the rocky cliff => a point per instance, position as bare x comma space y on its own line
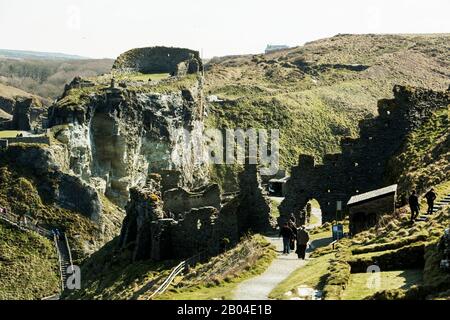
116, 135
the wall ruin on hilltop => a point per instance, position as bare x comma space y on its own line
361, 166
175, 61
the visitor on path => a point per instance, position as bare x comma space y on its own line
287, 234
294, 231
292, 219
430, 196
302, 242
414, 205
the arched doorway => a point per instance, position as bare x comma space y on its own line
314, 213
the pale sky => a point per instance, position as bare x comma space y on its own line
105, 28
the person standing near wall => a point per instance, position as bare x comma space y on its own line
414, 205
287, 234
302, 242
430, 196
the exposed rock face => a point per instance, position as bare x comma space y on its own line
117, 136
27, 114
362, 164
22, 115
68, 191
175, 61
7, 104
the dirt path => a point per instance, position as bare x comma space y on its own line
259, 287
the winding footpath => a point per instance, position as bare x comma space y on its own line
259, 287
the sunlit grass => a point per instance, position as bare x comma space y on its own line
362, 285
10, 133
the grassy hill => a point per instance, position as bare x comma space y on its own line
28, 265
406, 253
24, 54
47, 77
109, 275
317, 93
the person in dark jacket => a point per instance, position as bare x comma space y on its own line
302, 242
293, 227
292, 219
430, 196
287, 234
414, 205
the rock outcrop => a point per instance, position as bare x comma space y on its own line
116, 136
175, 61
67, 191
26, 114
363, 162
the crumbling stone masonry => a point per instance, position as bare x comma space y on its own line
178, 201
175, 61
152, 230
362, 164
254, 206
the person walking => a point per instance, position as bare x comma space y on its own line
302, 242
430, 196
293, 227
287, 234
293, 219
414, 205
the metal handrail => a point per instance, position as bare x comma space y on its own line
68, 250
175, 272
60, 262
16, 220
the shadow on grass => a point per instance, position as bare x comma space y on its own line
318, 243
412, 277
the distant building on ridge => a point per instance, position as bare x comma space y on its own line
271, 48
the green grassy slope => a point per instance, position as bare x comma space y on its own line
317, 93
424, 161
28, 265
109, 275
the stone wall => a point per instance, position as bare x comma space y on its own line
179, 201
152, 230
176, 61
30, 140
254, 205
366, 214
362, 164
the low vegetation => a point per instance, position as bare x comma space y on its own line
46, 78
28, 265
108, 274
317, 93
